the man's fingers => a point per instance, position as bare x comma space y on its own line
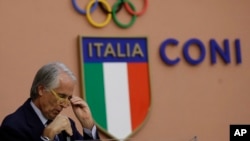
77, 101
61, 123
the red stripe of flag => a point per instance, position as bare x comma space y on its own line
138, 78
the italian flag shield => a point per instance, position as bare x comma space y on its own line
115, 80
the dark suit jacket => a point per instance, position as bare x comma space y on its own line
25, 125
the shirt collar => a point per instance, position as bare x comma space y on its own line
39, 113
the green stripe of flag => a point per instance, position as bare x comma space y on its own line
94, 87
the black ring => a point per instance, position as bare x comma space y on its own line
109, 12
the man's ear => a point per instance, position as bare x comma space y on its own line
40, 90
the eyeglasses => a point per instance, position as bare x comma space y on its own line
62, 99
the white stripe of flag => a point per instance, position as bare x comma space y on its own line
117, 99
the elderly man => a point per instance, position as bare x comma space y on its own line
39, 118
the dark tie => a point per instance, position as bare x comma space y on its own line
48, 122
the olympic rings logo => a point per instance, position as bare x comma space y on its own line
110, 12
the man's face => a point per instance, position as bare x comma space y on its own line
51, 102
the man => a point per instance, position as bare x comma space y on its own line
39, 118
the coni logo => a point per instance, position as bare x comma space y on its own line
110, 11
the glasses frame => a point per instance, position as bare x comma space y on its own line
61, 100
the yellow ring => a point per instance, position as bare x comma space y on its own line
91, 21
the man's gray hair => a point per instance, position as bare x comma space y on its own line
47, 76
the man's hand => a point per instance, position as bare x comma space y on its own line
82, 112
59, 124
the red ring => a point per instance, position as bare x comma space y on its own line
128, 8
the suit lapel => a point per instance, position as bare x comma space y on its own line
32, 119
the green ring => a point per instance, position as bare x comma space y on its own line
132, 21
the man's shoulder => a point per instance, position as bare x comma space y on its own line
14, 119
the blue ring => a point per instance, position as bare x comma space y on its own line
81, 11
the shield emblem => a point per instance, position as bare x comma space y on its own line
115, 80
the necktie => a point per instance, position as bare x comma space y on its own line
48, 122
